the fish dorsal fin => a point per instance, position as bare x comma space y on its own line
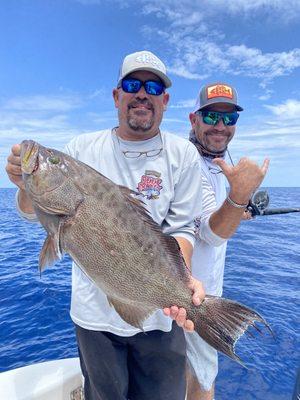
128, 191
139, 207
169, 241
134, 315
174, 249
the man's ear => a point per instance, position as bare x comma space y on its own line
193, 117
166, 100
115, 94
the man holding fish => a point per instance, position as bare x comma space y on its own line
118, 360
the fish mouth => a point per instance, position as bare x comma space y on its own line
29, 156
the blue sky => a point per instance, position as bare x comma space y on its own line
60, 61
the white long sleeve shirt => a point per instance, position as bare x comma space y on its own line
210, 250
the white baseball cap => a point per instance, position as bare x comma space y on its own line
144, 61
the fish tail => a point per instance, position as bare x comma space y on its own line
221, 322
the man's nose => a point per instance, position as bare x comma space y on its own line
220, 125
142, 94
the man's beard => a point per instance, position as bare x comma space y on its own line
138, 123
212, 146
204, 148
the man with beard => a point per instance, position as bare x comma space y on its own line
213, 126
119, 361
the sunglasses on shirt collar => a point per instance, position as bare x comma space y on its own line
213, 117
131, 85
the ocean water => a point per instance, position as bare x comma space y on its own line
262, 271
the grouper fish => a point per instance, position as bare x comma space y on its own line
107, 231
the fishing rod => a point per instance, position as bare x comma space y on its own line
258, 205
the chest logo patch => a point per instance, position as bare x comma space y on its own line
150, 185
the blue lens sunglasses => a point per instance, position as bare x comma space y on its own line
130, 85
213, 117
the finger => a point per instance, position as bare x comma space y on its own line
14, 170
167, 311
181, 318
174, 312
265, 166
12, 159
197, 297
189, 326
223, 165
248, 215
198, 290
171, 311
16, 149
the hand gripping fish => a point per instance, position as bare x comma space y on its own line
112, 238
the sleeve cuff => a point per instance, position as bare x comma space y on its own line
28, 217
206, 234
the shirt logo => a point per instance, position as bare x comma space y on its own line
219, 91
150, 185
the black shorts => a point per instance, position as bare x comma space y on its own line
146, 366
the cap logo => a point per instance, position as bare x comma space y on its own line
219, 91
149, 59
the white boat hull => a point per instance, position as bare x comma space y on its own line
52, 380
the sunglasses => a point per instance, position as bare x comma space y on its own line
213, 117
130, 85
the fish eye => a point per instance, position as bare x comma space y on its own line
54, 160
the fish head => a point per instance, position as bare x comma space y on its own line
43, 169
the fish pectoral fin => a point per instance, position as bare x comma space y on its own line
50, 252
133, 315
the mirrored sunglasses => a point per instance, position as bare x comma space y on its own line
130, 85
213, 117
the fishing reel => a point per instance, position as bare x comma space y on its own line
258, 203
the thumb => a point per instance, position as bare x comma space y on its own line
16, 150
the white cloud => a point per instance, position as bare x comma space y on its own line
195, 32
51, 117
179, 9
267, 95
43, 103
289, 109
284, 9
15, 127
208, 57
179, 69
167, 120
252, 62
189, 103
102, 93
198, 47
